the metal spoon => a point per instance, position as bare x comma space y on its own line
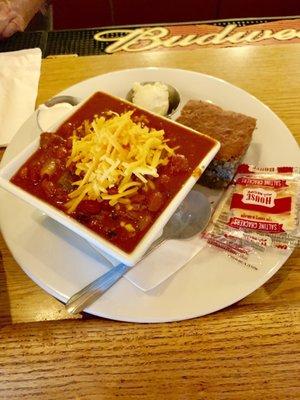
56, 100
174, 97
190, 218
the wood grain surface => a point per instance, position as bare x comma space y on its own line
247, 351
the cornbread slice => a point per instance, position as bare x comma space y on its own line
233, 130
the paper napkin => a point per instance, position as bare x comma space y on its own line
19, 78
161, 263
164, 262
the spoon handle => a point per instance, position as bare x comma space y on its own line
90, 293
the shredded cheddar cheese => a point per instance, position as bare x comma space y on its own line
114, 153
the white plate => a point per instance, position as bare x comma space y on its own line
62, 263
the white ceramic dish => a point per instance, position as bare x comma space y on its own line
155, 230
62, 263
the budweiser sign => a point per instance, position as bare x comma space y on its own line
195, 36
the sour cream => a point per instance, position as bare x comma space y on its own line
48, 116
152, 96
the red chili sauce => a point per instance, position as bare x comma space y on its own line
45, 174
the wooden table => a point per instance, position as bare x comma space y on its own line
247, 351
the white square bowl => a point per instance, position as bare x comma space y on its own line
7, 172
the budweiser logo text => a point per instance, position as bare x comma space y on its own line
142, 39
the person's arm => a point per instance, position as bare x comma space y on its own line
15, 15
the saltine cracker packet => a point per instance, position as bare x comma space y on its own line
259, 212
